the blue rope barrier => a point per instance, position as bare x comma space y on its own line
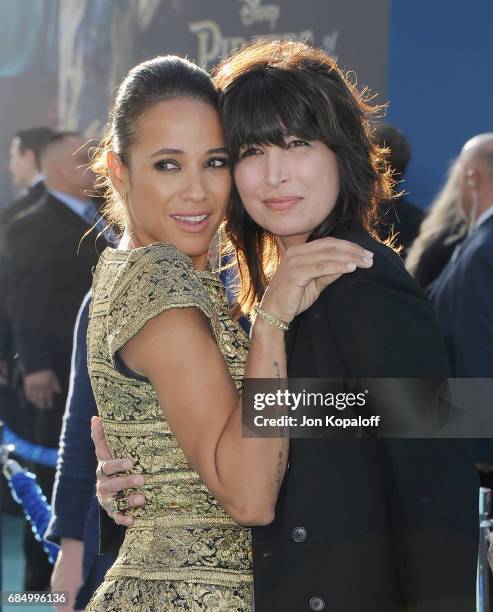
26, 491
28, 451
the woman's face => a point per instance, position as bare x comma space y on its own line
288, 191
177, 183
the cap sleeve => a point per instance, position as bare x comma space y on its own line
154, 279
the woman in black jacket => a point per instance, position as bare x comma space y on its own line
361, 524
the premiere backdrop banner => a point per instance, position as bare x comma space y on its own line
74, 52
97, 49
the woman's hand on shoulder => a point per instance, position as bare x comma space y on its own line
306, 269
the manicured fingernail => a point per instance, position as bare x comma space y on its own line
368, 260
351, 267
368, 253
127, 465
138, 480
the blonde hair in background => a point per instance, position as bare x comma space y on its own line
445, 213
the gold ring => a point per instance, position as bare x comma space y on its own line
122, 504
113, 504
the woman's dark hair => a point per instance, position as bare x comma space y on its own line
156, 80
272, 89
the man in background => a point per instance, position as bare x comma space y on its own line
25, 168
50, 266
462, 295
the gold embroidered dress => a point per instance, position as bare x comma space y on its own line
183, 551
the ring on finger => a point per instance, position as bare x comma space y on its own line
122, 504
101, 467
115, 504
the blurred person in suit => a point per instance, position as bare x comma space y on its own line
50, 263
399, 216
25, 169
463, 294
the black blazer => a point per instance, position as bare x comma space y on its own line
33, 196
463, 300
50, 271
370, 525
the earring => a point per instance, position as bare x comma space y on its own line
220, 246
213, 255
126, 209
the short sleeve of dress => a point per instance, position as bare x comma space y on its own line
152, 280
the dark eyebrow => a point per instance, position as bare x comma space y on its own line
180, 152
167, 152
218, 150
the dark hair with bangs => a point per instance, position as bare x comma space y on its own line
272, 89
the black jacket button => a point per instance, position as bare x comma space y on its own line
299, 534
317, 603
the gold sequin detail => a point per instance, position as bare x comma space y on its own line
183, 551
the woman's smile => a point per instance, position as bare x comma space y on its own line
192, 221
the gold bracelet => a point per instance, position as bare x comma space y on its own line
271, 319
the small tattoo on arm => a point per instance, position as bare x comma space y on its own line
276, 368
282, 434
279, 465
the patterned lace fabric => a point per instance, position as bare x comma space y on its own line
183, 551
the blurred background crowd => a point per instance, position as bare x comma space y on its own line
59, 63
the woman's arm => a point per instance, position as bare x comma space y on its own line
74, 483
177, 353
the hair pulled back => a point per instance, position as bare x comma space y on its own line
156, 80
